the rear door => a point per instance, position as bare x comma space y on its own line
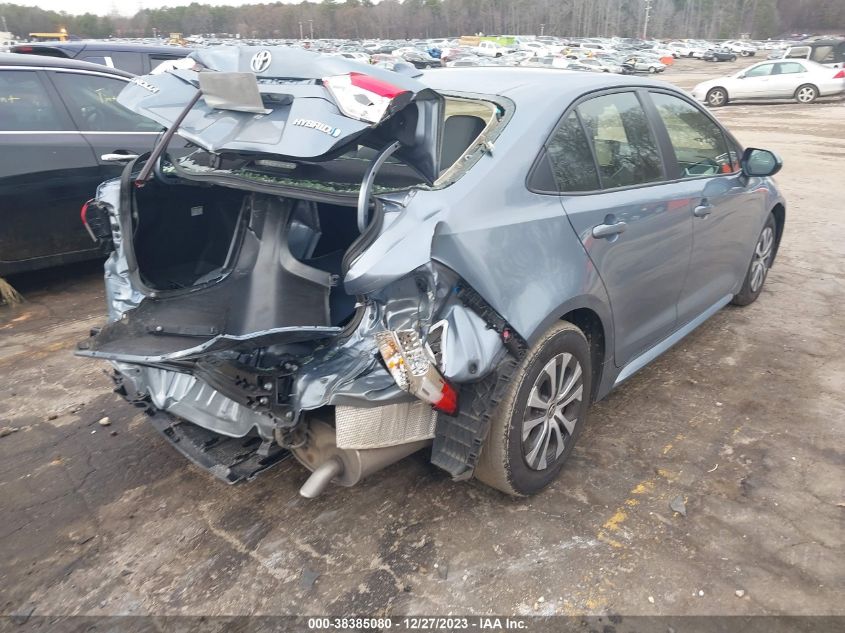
725, 217
91, 100
786, 78
634, 226
47, 171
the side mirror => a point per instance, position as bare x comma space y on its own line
760, 162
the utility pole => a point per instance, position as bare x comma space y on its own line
311, 28
647, 16
301, 35
3, 17
542, 28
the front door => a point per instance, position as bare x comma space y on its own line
754, 84
722, 212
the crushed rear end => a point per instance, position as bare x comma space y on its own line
269, 292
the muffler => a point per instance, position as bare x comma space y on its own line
345, 467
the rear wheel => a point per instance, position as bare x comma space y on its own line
652, 69
717, 97
538, 420
806, 93
761, 261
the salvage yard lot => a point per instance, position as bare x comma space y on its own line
744, 421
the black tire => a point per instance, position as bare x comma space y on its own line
806, 93
717, 97
733, 59
750, 288
503, 462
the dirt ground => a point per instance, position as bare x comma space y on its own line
744, 419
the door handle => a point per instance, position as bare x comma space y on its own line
117, 158
609, 230
703, 210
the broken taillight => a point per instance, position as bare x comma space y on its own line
413, 369
363, 97
95, 219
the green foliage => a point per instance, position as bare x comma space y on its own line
429, 18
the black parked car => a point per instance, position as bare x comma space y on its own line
62, 133
420, 59
719, 55
138, 59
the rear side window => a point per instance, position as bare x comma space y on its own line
699, 144
790, 68
99, 59
25, 104
824, 55
571, 158
92, 101
622, 140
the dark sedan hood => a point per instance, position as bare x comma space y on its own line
300, 118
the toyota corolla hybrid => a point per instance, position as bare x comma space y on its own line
356, 264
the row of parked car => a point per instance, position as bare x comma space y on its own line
62, 132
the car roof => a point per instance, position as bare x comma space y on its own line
99, 45
520, 84
45, 61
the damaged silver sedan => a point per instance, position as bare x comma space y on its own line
352, 264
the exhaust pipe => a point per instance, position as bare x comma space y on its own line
345, 467
321, 478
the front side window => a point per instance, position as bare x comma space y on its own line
760, 71
623, 143
700, 146
571, 158
25, 104
92, 101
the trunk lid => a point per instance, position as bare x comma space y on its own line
294, 104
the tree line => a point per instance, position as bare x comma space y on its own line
394, 19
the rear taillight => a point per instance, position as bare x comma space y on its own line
95, 219
23, 49
840, 74
363, 97
83, 215
413, 369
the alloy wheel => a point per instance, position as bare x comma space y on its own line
762, 254
716, 97
552, 411
806, 94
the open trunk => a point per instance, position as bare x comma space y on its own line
224, 268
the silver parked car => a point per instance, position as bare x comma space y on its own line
802, 80
353, 266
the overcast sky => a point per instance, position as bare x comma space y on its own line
125, 7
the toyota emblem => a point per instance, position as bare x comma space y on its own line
260, 61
